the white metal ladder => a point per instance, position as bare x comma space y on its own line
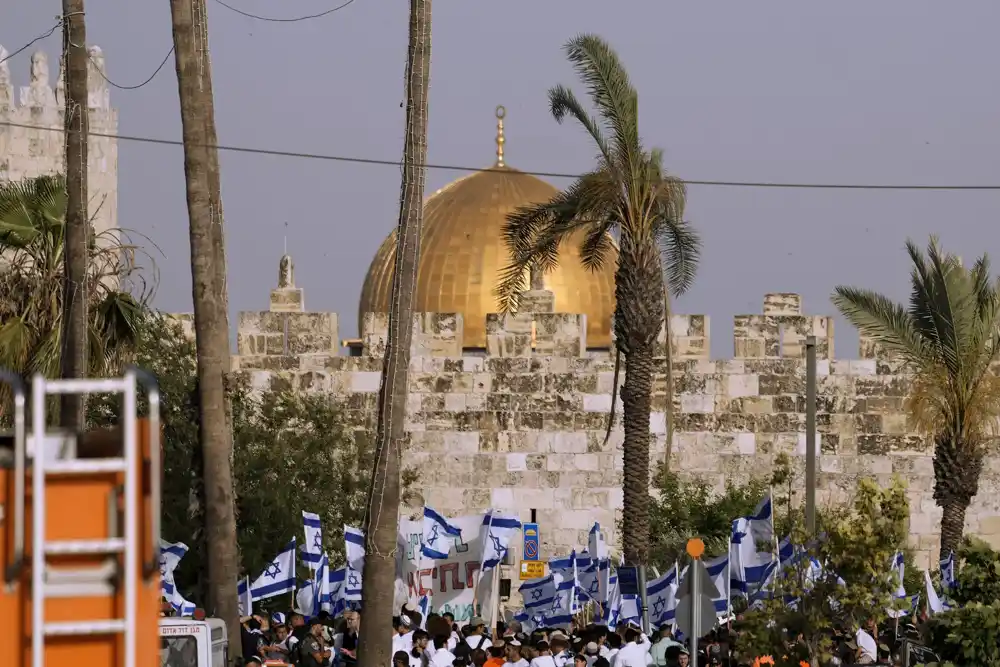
129, 544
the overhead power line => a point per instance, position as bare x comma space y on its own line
282, 20
32, 42
138, 85
543, 174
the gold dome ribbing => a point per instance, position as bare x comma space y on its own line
462, 254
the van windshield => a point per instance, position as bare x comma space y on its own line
178, 651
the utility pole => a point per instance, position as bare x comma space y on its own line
811, 435
73, 357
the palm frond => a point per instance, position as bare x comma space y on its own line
30, 207
612, 92
563, 102
884, 321
534, 233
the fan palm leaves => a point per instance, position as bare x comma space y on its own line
628, 195
32, 217
948, 337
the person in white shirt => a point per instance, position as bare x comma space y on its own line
635, 652
475, 634
403, 640
560, 649
419, 655
513, 654
442, 656
544, 657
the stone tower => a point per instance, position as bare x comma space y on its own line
31, 132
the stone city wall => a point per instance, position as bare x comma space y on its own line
32, 138
521, 425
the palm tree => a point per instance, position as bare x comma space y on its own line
33, 234
947, 338
76, 119
382, 511
628, 194
210, 297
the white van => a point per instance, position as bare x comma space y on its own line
188, 643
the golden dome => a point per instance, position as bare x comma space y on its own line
462, 253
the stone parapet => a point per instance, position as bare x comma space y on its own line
32, 137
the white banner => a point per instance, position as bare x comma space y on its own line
452, 583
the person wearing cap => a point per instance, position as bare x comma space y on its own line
312, 652
253, 661
513, 653
403, 641
475, 634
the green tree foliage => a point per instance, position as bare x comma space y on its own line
686, 507
32, 229
857, 546
969, 633
292, 452
949, 338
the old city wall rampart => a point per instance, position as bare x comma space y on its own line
521, 425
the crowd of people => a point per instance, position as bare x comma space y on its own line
438, 641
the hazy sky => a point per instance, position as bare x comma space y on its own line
897, 91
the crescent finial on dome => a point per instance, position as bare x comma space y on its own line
501, 112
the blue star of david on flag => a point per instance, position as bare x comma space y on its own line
353, 580
318, 541
536, 594
272, 570
436, 527
497, 547
433, 537
556, 603
659, 604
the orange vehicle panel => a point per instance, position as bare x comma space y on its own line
79, 507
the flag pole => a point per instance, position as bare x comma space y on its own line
482, 561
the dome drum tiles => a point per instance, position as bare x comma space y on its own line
462, 254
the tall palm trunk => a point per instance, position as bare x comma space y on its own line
211, 319
382, 514
73, 360
638, 318
957, 470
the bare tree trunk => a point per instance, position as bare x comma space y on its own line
73, 360
211, 317
669, 385
382, 514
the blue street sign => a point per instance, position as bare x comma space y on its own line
628, 580
530, 549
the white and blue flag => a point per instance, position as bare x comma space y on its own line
312, 548
934, 604
354, 547
661, 595
498, 531
278, 577
761, 522
171, 554
947, 565
246, 599
438, 535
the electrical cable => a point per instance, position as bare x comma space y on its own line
139, 85
279, 20
36, 39
542, 174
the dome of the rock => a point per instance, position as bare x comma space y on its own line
462, 253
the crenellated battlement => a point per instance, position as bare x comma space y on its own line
32, 137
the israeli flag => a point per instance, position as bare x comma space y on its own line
897, 569
439, 535
934, 604
761, 522
246, 600
538, 594
596, 546
345, 585
312, 548
661, 595
278, 577
594, 578
718, 570
424, 607
354, 547
171, 554
947, 564
321, 587
566, 569
560, 612
497, 533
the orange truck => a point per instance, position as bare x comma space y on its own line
80, 529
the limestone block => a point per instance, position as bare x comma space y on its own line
509, 335
782, 304
288, 300
742, 385
560, 335
438, 335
